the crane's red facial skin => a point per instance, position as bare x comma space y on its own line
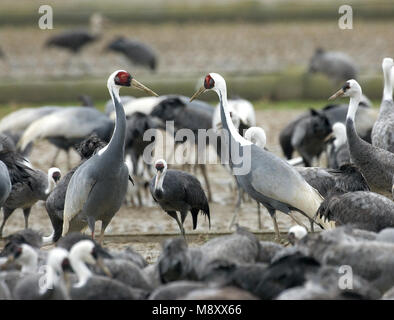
209, 82
159, 166
123, 79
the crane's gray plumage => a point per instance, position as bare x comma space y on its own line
347, 178
308, 134
89, 286
97, 188
375, 164
265, 177
55, 201
28, 185
68, 127
337, 149
365, 119
175, 190
193, 115
336, 65
137, 52
5, 183
383, 129
360, 209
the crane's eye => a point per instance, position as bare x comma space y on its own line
209, 82
346, 86
123, 79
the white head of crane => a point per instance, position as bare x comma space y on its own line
257, 136
161, 168
214, 81
353, 90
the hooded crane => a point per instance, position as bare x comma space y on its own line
97, 188
28, 185
365, 119
75, 40
5, 183
361, 209
383, 129
375, 164
137, 52
338, 151
264, 176
177, 190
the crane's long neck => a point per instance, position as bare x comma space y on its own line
351, 114
117, 144
159, 179
388, 87
80, 268
234, 137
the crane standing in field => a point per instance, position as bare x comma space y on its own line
97, 188
375, 164
383, 129
269, 180
176, 190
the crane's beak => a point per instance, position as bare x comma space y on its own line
200, 91
140, 86
329, 138
337, 94
10, 260
103, 267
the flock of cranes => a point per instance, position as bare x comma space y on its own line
355, 191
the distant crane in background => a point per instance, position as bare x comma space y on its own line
137, 52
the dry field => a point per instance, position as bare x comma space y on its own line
198, 48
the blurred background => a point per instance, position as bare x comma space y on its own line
262, 47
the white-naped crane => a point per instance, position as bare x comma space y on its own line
263, 175
97, 188
66, 128
375, 164
383, 129
178, 191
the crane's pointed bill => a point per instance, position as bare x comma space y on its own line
337, 94
200, 91
140, 86
103, 267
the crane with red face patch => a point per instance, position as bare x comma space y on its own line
264, 176
97, 188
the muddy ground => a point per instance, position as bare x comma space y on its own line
145, 228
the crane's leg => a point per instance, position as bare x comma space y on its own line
204, 173
26, 213
276, 227
104, 225
6, 215
68, 160
175, 216
259, 215
292, 216
55, 157
91, 224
